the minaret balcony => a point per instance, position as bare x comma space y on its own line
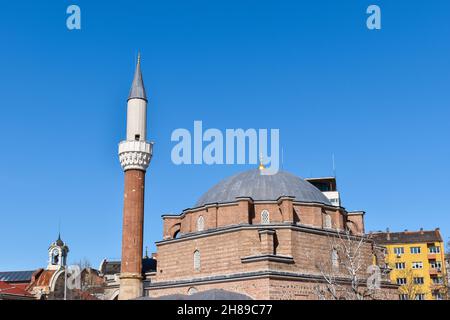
135, 154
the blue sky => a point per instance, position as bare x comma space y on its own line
378, 100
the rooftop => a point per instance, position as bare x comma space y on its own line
16, 276
420, 236
213, 294
113, 267
14, 290
259, 187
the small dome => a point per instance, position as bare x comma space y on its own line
59, 242
262, 187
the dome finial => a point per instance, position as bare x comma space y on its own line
261, 165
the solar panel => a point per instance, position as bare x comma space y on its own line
16, 276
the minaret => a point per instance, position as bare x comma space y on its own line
135, 154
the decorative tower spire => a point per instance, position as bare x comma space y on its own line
135, 154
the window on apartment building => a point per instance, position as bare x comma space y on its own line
200, 223
403, 296
417, 265
400, 265
435, 264
420, 296
418, 280
401, 281
434, 249
197, 260
265, 219
414, 250
437, 280
399, 250
437, 295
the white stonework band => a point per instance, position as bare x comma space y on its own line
135, 154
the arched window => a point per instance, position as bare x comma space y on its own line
334, 258
328, 223
265, 219
192, 290
196, 260
200, 223
55, 257
175, 230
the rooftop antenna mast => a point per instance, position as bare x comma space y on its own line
334, 166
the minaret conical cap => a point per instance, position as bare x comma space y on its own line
137, 88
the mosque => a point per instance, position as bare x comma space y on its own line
262, 236
251, 236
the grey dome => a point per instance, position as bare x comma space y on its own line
262, 187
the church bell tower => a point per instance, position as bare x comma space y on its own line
57, 254
135, 154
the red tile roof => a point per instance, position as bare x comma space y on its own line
15, 289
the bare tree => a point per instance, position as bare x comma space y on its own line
345, 274
408, 287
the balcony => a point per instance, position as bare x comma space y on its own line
432, 256
435, 271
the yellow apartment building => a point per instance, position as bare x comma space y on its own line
417, 263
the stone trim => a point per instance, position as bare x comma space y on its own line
249, 276
268, 257
239, 227
356, 213
128, 275
135, 155
277, 201
267, 231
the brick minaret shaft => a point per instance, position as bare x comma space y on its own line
135, 154
133, 221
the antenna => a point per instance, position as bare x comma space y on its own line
282, 157
334, 166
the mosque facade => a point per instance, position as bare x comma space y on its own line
263, 236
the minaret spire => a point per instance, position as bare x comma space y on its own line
137, 90
135, 153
